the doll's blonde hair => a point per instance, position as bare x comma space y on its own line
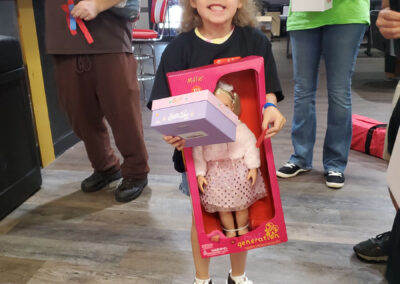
244, 16
228, 89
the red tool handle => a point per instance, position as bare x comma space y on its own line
80, 23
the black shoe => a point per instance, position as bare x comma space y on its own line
289, 170
130, 189
374, 249
334, 179
245, 280
99, 180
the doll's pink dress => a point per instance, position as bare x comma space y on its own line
226, 167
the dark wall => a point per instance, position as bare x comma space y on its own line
63, 137
19, 155
8, 18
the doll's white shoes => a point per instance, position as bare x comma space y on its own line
235, 232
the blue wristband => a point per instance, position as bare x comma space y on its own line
268, 105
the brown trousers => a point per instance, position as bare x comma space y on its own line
96, 87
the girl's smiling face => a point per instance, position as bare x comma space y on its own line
216, 15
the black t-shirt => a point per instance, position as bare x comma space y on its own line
189, 51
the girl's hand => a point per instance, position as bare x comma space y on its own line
388, 23
86, 10
252, 175
274, 118
175, 141
201, 181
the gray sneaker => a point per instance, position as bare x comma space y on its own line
375, 249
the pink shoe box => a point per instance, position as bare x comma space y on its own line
266, 215
198, 117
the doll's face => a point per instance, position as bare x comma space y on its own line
225, 98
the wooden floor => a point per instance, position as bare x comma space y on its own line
61, 235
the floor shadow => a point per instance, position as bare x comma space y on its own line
73, 207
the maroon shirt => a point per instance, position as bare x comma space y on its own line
111, 33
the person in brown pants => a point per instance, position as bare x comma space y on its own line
97, 82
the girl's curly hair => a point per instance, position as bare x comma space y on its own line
245, 16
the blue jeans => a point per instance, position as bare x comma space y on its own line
184, 185
338, 45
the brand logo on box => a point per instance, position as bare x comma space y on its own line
271, 233
182, 115
195, 79
196, 89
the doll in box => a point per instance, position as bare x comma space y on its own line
228, 174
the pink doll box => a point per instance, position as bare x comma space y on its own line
198, 117
265, 216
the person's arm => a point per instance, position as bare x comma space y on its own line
200, 165
385, 4
89, 9
247, 142
252, 154
272, 117
175, 141
388, 22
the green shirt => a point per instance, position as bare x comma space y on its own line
342, 12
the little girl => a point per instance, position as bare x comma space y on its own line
229, 172
214, 30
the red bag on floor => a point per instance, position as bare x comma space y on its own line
368, 135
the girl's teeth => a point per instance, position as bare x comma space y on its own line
216, 8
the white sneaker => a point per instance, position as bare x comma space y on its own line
199, 281
243, 280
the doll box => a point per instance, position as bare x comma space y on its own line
311, 5
265, 215
198, 117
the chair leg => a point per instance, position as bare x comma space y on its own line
141, 72
141, 63
153, 51
144, 91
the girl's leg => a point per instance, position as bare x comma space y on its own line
228, 222
242, 220
238, 263
201, 264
